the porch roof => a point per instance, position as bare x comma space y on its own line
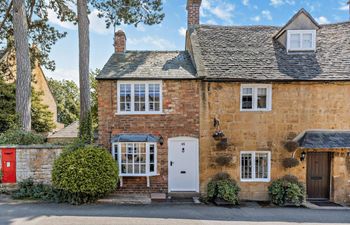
135, 138
324, 139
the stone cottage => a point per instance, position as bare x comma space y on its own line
252, 97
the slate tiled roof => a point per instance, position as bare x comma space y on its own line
251, 53
325, 139
149, 65
70, 131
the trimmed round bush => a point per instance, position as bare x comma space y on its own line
223, 187
287, 190
85, 174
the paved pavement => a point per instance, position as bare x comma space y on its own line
163, 214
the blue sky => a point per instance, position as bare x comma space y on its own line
169, 35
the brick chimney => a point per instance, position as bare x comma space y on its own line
119, 41
193, 7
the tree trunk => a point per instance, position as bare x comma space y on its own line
23, 66
84, 46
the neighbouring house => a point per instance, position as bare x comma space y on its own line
66, 135
39, 83
253, 97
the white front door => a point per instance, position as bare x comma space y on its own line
183, 164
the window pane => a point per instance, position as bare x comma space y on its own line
116, 152
261, 165
246, 166
151, 168
125, 97
154, 97
262, 98
307, 40
295, 41
139, 97
247, 91
247, 102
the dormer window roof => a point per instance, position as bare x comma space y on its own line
301, 40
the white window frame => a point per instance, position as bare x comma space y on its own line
147, 174
253, 179
132, 106
301, 32
254, 88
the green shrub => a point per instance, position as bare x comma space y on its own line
29, 190
223, 187
287, 190
85, 174
20, 137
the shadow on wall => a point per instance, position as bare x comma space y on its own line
297, 66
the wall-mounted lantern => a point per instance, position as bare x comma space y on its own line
302, 156
161, 140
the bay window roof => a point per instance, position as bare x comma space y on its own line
135, 138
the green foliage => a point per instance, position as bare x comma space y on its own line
85, 174
223, 187
20, 137
29, 190
0, 176
287, 190
42, 118
94, 103
8, 118
117, 12
66, 94
85, 129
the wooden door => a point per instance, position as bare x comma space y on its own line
318, 175
8, 165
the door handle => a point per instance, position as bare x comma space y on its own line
171, 163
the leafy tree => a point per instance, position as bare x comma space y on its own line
41, 35
42, 118
66, 93
115, 12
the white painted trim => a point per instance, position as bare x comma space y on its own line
147, 174
183, 138
301, 32
132, 106
255, 97
253, 168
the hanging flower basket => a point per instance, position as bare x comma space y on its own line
291, 146
218, 135
223, 144
223, 160
290, 162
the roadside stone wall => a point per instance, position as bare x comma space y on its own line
295, 107
34, 162
180, 118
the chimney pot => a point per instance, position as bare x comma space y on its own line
119, 41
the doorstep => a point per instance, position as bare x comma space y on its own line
310, 205
127, 199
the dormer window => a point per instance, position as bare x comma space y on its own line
301, 40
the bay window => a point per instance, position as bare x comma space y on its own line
136, 158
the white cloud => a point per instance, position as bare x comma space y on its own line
256, 18
219, 9
182, 31
52, 16
277, 3
154, 43
245, 2
97, 25
211, 22
322, 20
343, 6
63, 74
266, 14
